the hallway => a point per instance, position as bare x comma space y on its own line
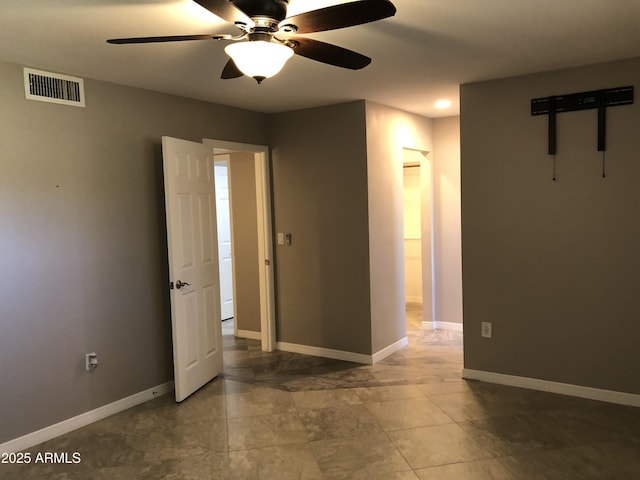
288, 416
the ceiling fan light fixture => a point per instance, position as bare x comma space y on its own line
259, 59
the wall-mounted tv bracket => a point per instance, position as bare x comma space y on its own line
600, 99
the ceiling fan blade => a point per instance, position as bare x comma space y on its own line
231, 70
340, 16
226, 11
171, 38
330, 54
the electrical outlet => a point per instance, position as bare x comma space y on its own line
486, 329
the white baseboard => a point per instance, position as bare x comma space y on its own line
249, 334
341, 354
610, 396
35, 438
454, 327
324, 352
385, 352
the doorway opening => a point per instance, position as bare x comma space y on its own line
251, 248
418, 235
225, 245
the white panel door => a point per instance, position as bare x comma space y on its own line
193, 264
223, 215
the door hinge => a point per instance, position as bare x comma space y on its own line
267, 262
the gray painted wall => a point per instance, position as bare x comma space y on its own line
554, 265
447, 241
389, 131
84, 250
242, 178
320, 196
82, 242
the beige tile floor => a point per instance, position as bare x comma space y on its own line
286, 416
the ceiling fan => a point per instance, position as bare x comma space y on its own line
271, 38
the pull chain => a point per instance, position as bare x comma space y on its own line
604, 172
553, 163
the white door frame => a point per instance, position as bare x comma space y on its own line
265, 235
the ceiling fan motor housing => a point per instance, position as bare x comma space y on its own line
276, 9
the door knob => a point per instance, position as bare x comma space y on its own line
180, 284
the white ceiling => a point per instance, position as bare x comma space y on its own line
419, 56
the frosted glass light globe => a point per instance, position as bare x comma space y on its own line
259, 59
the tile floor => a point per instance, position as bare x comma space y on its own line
287, 416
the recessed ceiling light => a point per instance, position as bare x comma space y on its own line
442, 104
